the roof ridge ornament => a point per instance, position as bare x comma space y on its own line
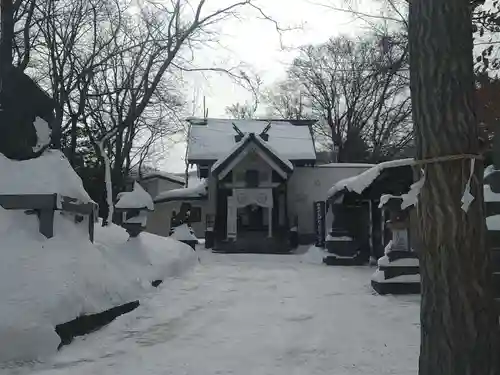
263, 134
240, 133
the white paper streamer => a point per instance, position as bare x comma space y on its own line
468, 198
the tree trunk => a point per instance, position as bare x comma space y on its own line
459, 325
6, 36
72, 147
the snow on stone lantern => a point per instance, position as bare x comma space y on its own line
134, 206
398, 270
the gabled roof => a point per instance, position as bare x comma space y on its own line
224, 161
211, 139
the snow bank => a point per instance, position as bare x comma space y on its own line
360, 182
137, 198
198, 191
145, 258
45, 282
48, 174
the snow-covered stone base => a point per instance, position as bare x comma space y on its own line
338, 260
398, 273
342, 251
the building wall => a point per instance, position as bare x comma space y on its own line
159, 219
310, 184
154, 186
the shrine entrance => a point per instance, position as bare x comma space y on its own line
250, 213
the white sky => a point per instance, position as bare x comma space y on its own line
256, 44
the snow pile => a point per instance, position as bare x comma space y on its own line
50, 173
198, 191
183, 233
360, 182
137, 198
145, 258
46, 282
314, 255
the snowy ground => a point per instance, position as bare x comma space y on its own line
253, 314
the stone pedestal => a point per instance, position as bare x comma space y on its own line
398, 270
209, 232
342, 248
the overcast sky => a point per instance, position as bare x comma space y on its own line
255, 43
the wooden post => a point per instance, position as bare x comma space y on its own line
46, 222
270, 221
91, 225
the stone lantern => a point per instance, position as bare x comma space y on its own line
398, 270
342, 248
134, 206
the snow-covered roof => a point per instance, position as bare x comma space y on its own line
215, 139
345, 165
50, 173
239, 146
137, 198
199, 191
360, 182
148, 172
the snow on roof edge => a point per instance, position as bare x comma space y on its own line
148, 173
345, 165
360, 182
195, 192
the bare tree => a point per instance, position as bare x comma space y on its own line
76, 39
286, 100
241, 111
360, 92
134, 86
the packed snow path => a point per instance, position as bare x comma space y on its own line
254, 314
